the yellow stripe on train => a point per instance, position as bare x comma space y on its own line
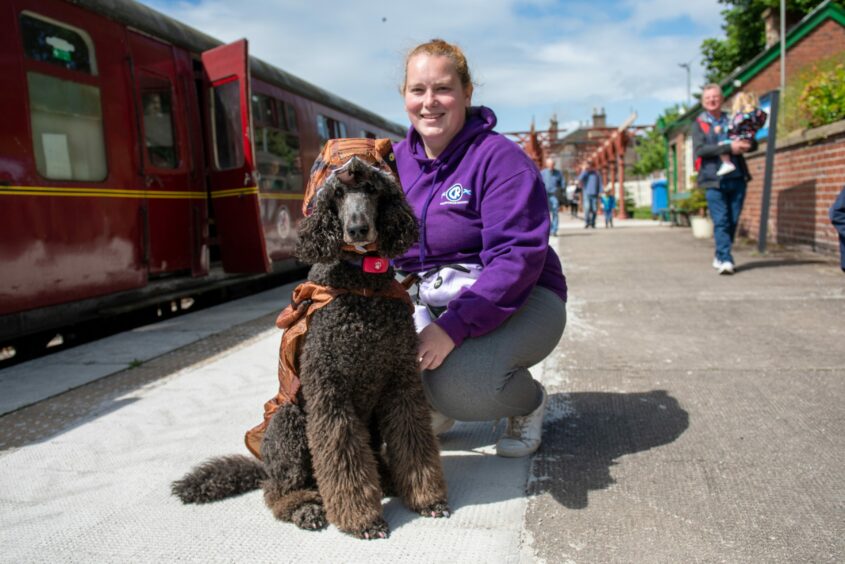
66, 191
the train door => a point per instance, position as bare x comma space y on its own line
232, 176
172, 189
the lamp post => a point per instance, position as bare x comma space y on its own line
687, 66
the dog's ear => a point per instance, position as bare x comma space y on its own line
397, 225
320, 236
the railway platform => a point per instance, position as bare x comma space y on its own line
692, 418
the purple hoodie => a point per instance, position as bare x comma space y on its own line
481, 201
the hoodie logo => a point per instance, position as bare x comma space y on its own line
457, 194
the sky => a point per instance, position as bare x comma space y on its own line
530, 59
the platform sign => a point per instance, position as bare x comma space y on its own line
766, 106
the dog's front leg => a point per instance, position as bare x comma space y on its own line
412, 452
344, 465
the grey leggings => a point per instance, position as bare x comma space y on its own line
487, 377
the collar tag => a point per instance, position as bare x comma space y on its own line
375, 265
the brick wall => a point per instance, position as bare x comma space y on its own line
809, 172
827, 39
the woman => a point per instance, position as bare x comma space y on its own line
481, 204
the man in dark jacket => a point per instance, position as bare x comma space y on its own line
725, 194
837, 218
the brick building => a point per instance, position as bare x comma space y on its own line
809, 166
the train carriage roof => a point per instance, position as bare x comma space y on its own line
156, 24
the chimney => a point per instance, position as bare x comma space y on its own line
771, 17
599, 117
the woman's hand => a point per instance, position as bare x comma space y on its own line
435, 346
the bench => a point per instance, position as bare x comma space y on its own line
677, 214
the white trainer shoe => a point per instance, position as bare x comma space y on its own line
440, 423
726, 267
726, 168
717, 264
523, 433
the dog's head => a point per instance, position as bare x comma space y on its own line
358, 205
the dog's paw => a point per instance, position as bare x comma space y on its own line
438, 509
378, 529
310, 516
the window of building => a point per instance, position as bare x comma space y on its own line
52, 42
226, 124
67, 128
159, 127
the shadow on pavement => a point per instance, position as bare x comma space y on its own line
773, 263
592, 430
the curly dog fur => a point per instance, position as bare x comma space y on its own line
323, 460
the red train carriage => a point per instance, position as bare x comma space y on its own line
134, 149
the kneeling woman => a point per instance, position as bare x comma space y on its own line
483, 213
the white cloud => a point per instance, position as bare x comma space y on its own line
567, 61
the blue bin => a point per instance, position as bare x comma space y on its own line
660, 199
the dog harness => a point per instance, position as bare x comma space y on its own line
307, 298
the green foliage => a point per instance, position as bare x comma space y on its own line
651, 149
696, 203
823, 99
642, 212
745, 33
814, 97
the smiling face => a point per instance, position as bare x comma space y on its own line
435, 100
711, 100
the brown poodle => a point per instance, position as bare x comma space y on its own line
359, 420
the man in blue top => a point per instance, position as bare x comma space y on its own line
590, 182
553, 179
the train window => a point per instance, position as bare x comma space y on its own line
226, 124
368, 134
290, 113
279, 164
328, 128
52, 42
157, 102
262, 110
67, 128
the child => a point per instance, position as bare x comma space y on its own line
608, 204
747, 119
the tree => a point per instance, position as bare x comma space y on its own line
745, 33
651, 149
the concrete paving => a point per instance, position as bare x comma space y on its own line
692, 418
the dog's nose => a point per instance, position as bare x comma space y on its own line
358, 231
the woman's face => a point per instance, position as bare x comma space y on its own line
435, 100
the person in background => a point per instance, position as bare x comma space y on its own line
608, 204
747, 120
553, 180
837, 218
726, 193
591, 188
484, 226
573, 193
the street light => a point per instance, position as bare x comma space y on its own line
687, 66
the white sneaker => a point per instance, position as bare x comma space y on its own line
726, 168
717, 264
726, 267
440, 423
523, 433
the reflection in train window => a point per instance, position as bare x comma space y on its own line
328, 128
67, 128
368, 134
226, 125
262, 110
156, 101
290, 112
279, 164
59, 44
